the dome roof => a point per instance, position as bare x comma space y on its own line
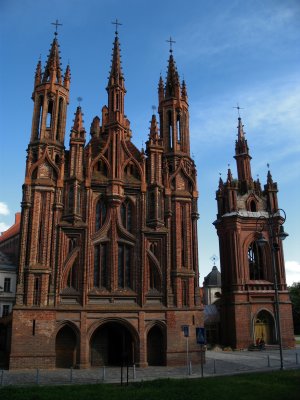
213, 278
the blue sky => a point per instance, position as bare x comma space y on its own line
228, 51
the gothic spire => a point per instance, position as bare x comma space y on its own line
78, 127
161, 90
241, 134
52, 70
116, 75
172, 84
38, 74
184, 95
153, 135
67, 77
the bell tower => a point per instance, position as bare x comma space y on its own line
42, 201
248, 301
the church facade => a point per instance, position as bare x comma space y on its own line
250, 267
108, 267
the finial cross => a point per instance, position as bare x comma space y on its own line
171, 41
116, 22
238, 109
56, 23
214, 258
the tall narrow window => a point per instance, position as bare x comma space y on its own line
49, 114
256, 262
124, 266
100, 265
170, 127
37, 291
7, 286
59, 118
126, 215
178, 128
100, 214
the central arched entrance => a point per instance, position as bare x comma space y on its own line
112, 344
264, 327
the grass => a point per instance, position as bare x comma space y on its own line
268, 386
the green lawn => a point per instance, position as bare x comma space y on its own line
267, 386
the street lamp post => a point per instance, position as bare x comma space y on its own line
271, 222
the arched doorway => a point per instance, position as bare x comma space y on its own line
66, 348
156, 353
264, 327
112, 344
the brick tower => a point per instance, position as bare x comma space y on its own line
108, 268
248, 295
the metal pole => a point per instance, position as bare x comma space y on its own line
71, 374
187, 354
269, 364
201, 348
122, 373
296, 359
2, 376
37, 376
215, 367
103, 373
127, 372
277, 318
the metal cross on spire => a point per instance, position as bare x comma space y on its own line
56, 23
238, 109
171, 41
214, 258
116, 22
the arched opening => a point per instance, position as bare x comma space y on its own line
256, 260
156, 349
100, 214
253, 206
113, 344
264, 328
66, 348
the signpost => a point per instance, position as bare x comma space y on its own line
186, 333
201, 339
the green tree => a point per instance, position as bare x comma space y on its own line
294, 291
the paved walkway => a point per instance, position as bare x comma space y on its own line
217, 363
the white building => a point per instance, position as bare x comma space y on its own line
8, 276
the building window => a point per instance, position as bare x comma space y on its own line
126, 215
100, 214
100, 265
124, 266
7, 285
5, 310
256, 262
37, 291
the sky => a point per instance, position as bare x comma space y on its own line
229, 52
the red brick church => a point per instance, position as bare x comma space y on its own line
108, 267
108, 248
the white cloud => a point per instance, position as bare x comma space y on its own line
3, 227
292, 270
4, 210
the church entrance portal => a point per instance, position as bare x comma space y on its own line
156, 354
264, 328
112, 344
66, 348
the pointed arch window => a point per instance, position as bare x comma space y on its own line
126, 215
49, 114
37, 290
256, 260
100, 214
39, 116
124, 266
59, 117
253, 206
178, 123
170, 128
100, 265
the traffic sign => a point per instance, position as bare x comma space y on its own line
201, 335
